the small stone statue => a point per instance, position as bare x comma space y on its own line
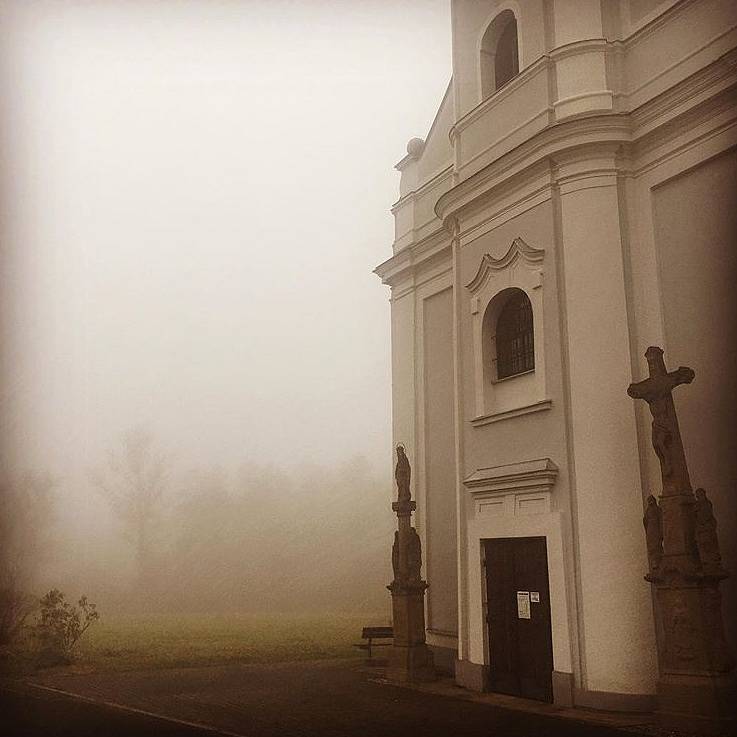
653, 522
707, 542
414, 556
402, 474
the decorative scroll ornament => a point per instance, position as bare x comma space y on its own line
517, 250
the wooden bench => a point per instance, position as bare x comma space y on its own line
375, 633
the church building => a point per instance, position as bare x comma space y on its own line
573, 203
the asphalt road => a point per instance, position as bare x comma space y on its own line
47, 715
284, 700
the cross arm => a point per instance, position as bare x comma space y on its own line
682, 375
658, 386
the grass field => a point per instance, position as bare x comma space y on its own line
169, 641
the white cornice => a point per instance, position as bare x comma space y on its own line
517, 250
574, 48
528, 476
708, 83
657, 22
567, 135
402, 264
390, 268
541, 64
433, 180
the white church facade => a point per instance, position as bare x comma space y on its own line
573, 203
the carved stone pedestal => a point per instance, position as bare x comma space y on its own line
698, 704
696, 691
410, 660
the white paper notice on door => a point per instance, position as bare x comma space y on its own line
523, 605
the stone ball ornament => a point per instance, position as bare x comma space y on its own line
415, 147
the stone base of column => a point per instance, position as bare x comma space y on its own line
704, 704
697, 691
410, 664
410, 659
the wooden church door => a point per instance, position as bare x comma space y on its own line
518, 617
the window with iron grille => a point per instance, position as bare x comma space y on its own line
515, 343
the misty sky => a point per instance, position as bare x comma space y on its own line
195, 193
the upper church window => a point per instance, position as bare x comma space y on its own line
515, 342
506, 304
499, 53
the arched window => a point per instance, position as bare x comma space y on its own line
499, 53
515, 342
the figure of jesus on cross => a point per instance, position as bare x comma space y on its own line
657, 392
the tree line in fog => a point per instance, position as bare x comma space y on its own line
149, 534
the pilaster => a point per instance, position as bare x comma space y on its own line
616, 616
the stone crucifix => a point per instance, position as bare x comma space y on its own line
694, 688
657, 392
677, 501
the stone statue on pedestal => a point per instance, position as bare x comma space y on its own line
402, 475
410, 660
414, 556
707, 542
695, 689
653, 522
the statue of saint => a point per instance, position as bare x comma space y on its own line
414, 556
707, 541
402, 474
653, 522
395, 556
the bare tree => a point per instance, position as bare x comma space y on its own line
26, 517
133, 482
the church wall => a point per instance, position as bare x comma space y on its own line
414, 213
425, 220
540, 433
662, 54
403, 370
439, 449
695, 221
471, 18
575, 20
437, 153
516, 439
638, 10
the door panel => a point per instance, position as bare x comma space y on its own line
520, 639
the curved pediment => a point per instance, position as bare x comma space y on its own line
517, 250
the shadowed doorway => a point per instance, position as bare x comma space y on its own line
518, 617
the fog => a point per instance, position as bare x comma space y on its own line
194, 195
